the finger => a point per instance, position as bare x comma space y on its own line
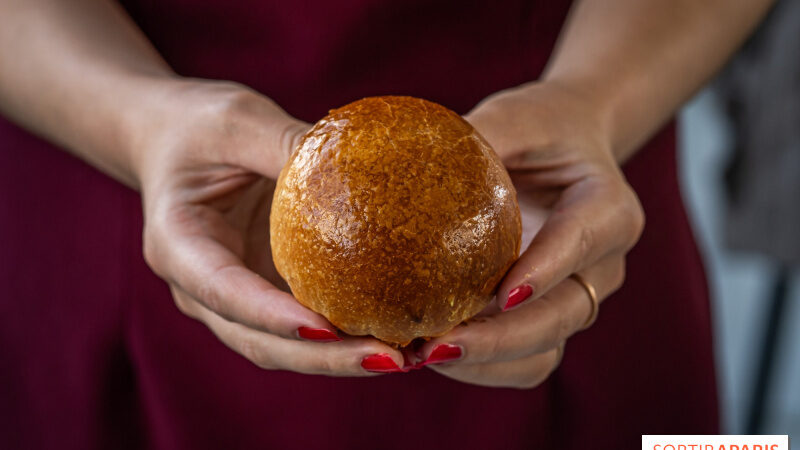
593, 218
273, 352
217, 278
266, 142
534, 327
524, 373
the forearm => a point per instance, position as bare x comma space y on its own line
79, 73
637, 61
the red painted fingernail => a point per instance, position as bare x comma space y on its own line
318, 334
442, 353
518, 295
381, 363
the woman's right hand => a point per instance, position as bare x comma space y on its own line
206, 162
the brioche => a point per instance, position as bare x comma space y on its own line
394, 218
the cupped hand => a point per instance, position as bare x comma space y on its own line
578, 215
207, 164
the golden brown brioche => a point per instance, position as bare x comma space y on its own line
394, 218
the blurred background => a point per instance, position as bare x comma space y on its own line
740, 168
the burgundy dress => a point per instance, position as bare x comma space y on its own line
94, 354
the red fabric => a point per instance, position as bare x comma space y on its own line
94, 354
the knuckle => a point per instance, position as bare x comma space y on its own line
637, 220
557, 323
626, 216
150, 255
156, 240
559, 356
586, 242
208, 293
564, 327
183, 305
250, 349
491, 343
262, 318
326, 366
633, 214
618, 277
150, 250
232, 103
232, 96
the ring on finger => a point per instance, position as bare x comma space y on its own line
592, 296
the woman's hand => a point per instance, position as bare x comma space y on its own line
579, 216
82, 78
206, 166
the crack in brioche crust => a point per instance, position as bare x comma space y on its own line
394, 218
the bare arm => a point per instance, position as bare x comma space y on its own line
78, 73
638, 61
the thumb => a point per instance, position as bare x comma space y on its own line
264, 136
503, 134
285, 139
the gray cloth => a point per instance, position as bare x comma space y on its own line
762, 89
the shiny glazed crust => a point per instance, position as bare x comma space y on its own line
394, 218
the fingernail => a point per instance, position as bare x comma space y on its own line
518, 295
442, 353
318, 334
381, 363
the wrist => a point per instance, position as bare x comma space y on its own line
151, 106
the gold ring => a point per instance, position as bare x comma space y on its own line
592, 296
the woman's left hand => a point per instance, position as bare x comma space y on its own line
579, 216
